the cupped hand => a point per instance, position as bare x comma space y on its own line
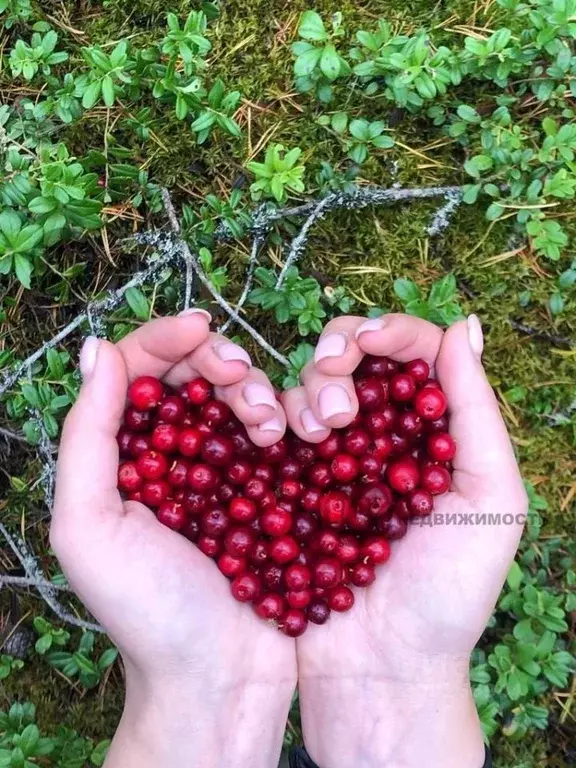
398, 662
189, 650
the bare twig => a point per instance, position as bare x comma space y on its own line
528, 330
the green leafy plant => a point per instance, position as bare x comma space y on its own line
49, 635
18, 244
15, 11
80, 663
318, 63
28, 59
359, 136
8, 664
278, 174
440, 306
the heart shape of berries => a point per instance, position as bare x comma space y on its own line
293, 525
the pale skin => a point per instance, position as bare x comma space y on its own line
210, 685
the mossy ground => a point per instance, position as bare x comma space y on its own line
251, 52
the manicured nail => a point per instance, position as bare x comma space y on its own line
272, 425
475, 335
193, 311
259, 394
374, 324
310, 423
333, 400
331, 345
230, 352
88, 355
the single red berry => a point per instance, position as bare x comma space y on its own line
297, 577
431, 383
239, 542
374, 366
376, 423
165, 438
172, 514
438, 425
268, 500
194, 503
305, 557
210, 546
283, 549
319, 475
145, 392
383, 446
255, 489
310, 499
152, 465
191, 530
137, 421
274, 454
341, 599
327, 572
375, 500
290, 489
202, 478
325, 541
190, 441
226, 493
129, 477
401, 509
348, 549
318, 611
400, 444
329, 447
242, 510
335, 508
155, 492
409, 424
420, 502
246, 587
290, 469
394, 528
231, 566
239, 471
217, 450
260, 553
276, 521
136, 496
243, 446
215, 522
435, 480
123, 439
139, 444
430, 403
359, 521
441, 446
199, 391
402, 387
369, 393
344, 468
204, 429
265, 473
376, 550
304, 453
271, 576
215, 413
172, 410
293, 623
303, 526
270, 606
370, 467
356, 442
298, 599
362, 575
418, 369
403, 475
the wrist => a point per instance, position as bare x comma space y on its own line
385, 722
180, 724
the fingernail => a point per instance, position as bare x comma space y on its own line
331, 345
374, 324
272, 425
333, 400
88, 355
194, 311
259, 394
475, 335
309, 422
230, 352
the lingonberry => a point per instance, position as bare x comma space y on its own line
290, 469
373, 366
304, 454
362, 575
270, 606
155, 492
375, 500
369, 393
255, 489
303, 526
441, 446
138, 444
383, 446
260, 553
318, 611
225, 493
375, 550
152, 465
401, 509
359, 521
239, 542
329, 447
344, 467
194, 503
243, 447
438, 425
293, 623
283, 549
215, 413
273, 454
402, 387
431, 383
246, 587
376, 423
305, 557
217, 450
340, 599
271, 576
276, 521
172, 514
210, 546
202, 478
242, 510
171, 410
319, 474
326, 572
190, 441
265, 473
137, 421
400, 444
348, 550
418, 369
370, 466
239, 471
290, 489
199, 391
298, 599
356, 442
435, 480
136, 496
409, 424
310, 499
297, 577
123, 439
335, 508
403, 475
231, 566
420, 502
268, 500
145, 392
393, 528
191, 530
215, 522
430, 403
129, 477
165, 438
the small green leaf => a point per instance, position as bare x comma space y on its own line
311, 26
138, 303
108, 91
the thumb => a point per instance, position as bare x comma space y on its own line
88, 456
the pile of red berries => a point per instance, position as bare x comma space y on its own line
294, 525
